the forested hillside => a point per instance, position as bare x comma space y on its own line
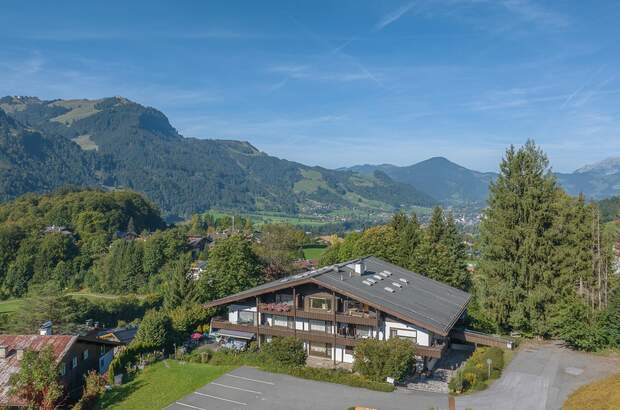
116, 142
60, 238
610, 209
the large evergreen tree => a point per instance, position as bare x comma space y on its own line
442, 254
517, 242
180, 289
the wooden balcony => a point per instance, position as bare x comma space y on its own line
225, 324
318, 315
431, 351
315, 336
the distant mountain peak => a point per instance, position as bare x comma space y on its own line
608, 166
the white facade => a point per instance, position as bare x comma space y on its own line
388, 328
422, 336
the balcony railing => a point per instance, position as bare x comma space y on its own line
435, 351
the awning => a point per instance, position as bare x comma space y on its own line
236, 333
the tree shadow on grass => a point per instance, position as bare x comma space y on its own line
119, 394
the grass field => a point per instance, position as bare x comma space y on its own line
600, 395
160, 385
314, 252
11, 305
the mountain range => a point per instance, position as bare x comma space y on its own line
455, 185
117, 143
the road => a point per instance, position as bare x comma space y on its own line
540, 377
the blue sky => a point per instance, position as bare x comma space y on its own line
339, 83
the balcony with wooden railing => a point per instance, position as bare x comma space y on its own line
351, 316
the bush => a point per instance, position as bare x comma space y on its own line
155, 330
128, 356
187, 319
378, 359
475, 371
285, 351
94, 387
339, 376
286, 363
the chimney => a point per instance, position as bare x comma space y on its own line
46, 328
359, 267
3, 352
20, 353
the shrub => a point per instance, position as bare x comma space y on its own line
128, 356
94, 387
187, 319
378, 359
290, 364
155, 330
285, 351
475, 371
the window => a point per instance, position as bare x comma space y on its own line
281, 321
74, 362
284, 298
85, 354
320, 349
246, 318
320, 304
405, 334
63, 369
363, 332
317, 325
348, 350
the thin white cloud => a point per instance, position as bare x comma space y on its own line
531, 11
393, 16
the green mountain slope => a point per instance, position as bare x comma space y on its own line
453, 184
33, 162
444, 180
124, 144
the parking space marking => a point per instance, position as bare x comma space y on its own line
236, 388
247, 378
189, 405
221, 398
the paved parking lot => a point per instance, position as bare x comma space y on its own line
248, 388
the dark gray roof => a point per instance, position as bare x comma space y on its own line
124, 335
422, 301
433, 304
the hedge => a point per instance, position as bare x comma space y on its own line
259, 358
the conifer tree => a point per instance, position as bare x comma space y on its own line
180, 290
517, 242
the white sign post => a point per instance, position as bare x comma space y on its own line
489, 361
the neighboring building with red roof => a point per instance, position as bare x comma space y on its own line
76, 356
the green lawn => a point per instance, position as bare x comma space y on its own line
160, 385
314, 252
11, 305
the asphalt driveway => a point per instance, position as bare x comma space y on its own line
249, 388
540, 377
